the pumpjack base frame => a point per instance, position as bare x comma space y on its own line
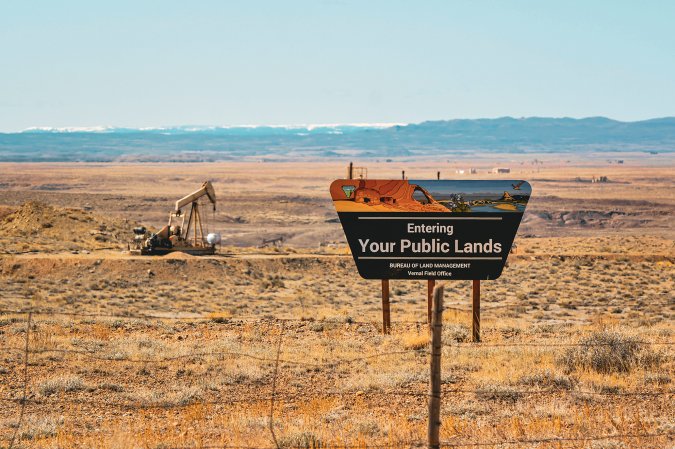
192, 250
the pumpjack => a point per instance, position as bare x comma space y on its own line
179, 236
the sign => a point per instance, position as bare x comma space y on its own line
400, 229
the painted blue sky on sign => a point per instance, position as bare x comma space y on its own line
474, 187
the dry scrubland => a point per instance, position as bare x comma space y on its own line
178, 351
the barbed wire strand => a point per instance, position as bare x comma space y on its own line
559, 439
301, 396
330, 364
301, 320
240, 317
451, 444
216, 354
197, 318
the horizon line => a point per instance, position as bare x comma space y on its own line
298, 126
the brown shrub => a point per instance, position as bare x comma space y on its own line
609, 352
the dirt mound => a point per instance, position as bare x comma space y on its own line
39, 226
178, 256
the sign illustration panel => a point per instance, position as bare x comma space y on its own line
429, 229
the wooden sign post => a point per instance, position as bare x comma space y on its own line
386, 315
475, 309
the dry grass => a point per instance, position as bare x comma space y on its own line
60, 384
415, 340
352, 385
202, 375
610, 352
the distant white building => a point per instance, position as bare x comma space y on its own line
501, 170
459, 172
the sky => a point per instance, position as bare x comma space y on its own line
165, 63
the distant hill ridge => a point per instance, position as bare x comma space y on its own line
200, 143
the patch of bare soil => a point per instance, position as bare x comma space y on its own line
555, 216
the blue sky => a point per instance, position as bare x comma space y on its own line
156, 63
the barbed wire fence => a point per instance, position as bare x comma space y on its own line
27, 351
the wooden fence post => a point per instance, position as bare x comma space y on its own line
430, 294
475, 308
435, 381
386, 317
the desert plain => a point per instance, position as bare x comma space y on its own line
281, 345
